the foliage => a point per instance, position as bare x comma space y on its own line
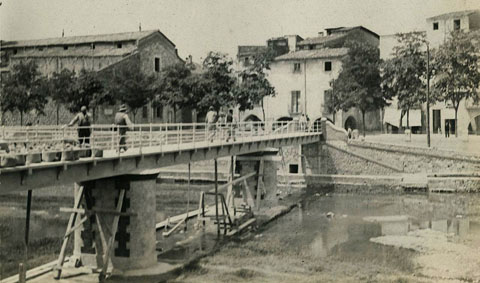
175, 88
404, 75
253, 85
90, 91
217, 81
24, 90
358, 84
457, 72
130, 85
62, 88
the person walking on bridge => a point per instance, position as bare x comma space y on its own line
82, 119
122, 123
231, 124
211, 119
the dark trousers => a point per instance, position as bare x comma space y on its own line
122, 143
84, 136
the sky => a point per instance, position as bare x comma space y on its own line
199, 26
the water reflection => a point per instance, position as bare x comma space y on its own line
356, 219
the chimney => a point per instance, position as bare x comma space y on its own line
63, 32
190, 59
140, 27
320, 33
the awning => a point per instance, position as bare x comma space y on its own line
392, 116
414, 117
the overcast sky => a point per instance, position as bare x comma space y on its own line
198, 26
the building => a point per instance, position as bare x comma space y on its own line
152, 49
302, 79
438, 30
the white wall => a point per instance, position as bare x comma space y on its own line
282, 77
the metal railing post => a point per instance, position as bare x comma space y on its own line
151, 136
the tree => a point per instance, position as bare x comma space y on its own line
457, 72
90, 91
130, 85
358, 84
404, 75
24, 90
62, 88
253, 85
220, 81
175, 89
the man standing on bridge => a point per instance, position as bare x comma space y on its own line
123, 124
211, 119
82, 119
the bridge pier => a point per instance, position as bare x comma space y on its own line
265, 164
133, 251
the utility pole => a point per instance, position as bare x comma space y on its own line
428, 95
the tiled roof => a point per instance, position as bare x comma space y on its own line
251, 49
456, 14
71, 40
320, 39
77, 52
314, 54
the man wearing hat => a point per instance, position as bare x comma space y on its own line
82, 119
123, 124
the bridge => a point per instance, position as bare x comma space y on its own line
115, 188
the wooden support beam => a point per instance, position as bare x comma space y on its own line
96, 211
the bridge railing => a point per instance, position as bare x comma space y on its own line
34, 144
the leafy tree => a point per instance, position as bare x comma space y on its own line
457, 72
404, 75
358, 84
90, 91
62, 88
219, 79
130, 85
253, 86
24, 90
175, 88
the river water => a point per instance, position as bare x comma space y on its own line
341, 238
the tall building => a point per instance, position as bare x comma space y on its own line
438, 30
151, 49
302, 79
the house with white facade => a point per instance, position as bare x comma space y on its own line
302, 79
438, 30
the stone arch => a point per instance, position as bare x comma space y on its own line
474, 126
351, 123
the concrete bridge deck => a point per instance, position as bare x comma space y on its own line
150, 148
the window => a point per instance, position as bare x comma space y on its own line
14, 51
456, 24
65, 47
119, 45
93, 46
144, 112
157, 64
293, 168
159, 112
40, 48
295, 106
296, 68
328, 66
435, 26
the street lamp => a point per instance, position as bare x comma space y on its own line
428, 94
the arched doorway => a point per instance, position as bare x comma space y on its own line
282, 121
474, 126
252, 118
350, 123
316, 125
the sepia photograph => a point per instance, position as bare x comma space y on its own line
239, 141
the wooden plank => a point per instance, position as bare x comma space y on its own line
169, 232
242, 227
78, 225
106, 257
34, 272
96, 211
71, 221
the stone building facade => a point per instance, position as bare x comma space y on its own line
152, 49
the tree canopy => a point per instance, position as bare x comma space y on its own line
457, 72
131, 86
62, 88
24, 90
404, 75
358, 84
